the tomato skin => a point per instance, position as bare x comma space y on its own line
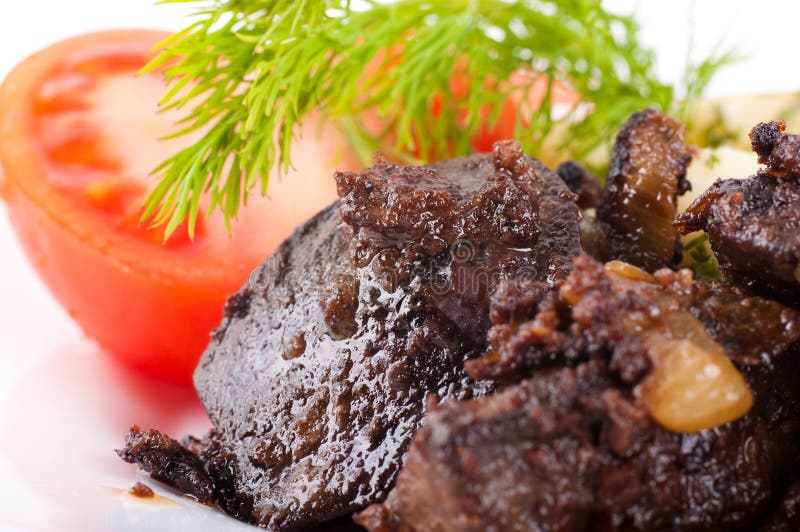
158, 325
152, 306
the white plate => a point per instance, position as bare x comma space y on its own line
64, 407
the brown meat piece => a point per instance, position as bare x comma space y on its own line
779, 151
523, 222
572, 446
168, 461
320, 373
594, 240
785, 516
531, 330
753, 226
582, 183
646, 174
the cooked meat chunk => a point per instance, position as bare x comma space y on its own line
575, 439
167, 461
779, 151
582, 183
646, 174
320, 373
491, 217
753, 224
785, 516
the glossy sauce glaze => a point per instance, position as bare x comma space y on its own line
326, 361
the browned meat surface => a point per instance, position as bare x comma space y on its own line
646, 174
442, 320
168, 461
523, 222
142, 491
779, 151
754, 224
582, 183
576, 440
321, 370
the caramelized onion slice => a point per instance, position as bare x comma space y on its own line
646, 173
693, 384
691, 387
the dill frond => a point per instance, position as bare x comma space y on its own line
251, 71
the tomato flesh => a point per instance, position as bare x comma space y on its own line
98, 125
79, 135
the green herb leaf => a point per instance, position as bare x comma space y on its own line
251, 71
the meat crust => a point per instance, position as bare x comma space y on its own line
785, 516
646, 174
321, 370
569, 445
582, 183
168, 461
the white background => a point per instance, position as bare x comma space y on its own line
57, 389
765, 31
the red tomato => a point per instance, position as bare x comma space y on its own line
519, 101
78, 137
527, 92
563, 99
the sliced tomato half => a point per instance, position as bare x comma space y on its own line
79, 135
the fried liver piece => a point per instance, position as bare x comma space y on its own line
753, 224
581, 182
320, 373
646, 174
785, 515
568, 444
168, 461
779, 151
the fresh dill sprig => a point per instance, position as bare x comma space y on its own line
250, 72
